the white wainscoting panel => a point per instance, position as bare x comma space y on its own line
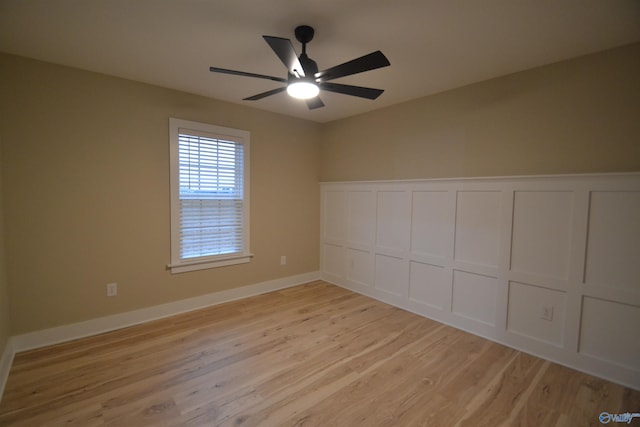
391, 275
546, 264
393, 225
334, 260
474, 296
360, 267
431, 225
429, 285
613, 240
334, 220
478, 227
362, 220
542, 233
610, 331
527, 304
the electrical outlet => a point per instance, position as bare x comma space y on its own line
112, 289
283, 260
546, 312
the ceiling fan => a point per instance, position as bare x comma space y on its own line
304, 81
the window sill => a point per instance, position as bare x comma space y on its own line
203, 264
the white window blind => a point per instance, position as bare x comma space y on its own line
210, 195
210, 217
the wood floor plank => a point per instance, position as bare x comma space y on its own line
312, 355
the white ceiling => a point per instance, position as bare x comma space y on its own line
433, 45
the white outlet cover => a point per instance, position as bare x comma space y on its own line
546, 312
112, 289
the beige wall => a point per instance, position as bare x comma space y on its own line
86, 193
576, 116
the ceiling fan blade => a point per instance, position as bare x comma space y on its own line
362, 92
368, 62
314, 103
245, 74
265, 94
284, 49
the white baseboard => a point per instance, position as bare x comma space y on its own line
6, 359
100, 325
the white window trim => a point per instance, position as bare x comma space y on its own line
177, 264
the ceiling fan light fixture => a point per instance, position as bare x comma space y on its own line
304, 81
303, 89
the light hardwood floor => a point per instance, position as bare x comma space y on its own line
313, 355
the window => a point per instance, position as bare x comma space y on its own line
209, 196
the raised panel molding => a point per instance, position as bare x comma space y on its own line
429, 285
609, 331
334, 262
431, 224
613, 245
333, 215
536, 312
361, 217
490, 255
541, 236
360, 267
478, 227
393, 220
474, 296
391, 275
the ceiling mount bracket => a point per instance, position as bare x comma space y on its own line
304, 33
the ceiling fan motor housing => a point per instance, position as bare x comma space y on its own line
309, 65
